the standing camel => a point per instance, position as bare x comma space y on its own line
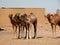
54, 20
13, 22
19, 24
24, 21
30, 19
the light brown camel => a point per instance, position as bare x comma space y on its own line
24, 21
20, 24
54, 20
27, 20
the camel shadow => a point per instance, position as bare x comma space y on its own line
25, 38
15, 39
58, 37
37, 37
18, 38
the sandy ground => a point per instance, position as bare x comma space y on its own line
44, 33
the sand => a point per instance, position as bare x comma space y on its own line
8, 37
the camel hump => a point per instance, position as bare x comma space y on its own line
32, 16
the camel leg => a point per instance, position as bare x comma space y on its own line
22, 32
53, 30
34, 31
19, 33
28, 31
15, 28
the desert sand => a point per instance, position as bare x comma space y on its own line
44, 37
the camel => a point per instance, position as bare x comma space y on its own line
54, 20
20, 24
27, 20
24, 21
13, 22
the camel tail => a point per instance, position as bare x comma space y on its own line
59, 23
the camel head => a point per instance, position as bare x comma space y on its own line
49, 16
25, 15
10, 16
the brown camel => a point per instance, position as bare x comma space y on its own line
20, 24
27, 20
24, 21
13, 22
54, 20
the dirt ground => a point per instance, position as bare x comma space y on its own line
44, 33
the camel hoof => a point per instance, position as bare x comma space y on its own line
34, 37
27, 37
19, 38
